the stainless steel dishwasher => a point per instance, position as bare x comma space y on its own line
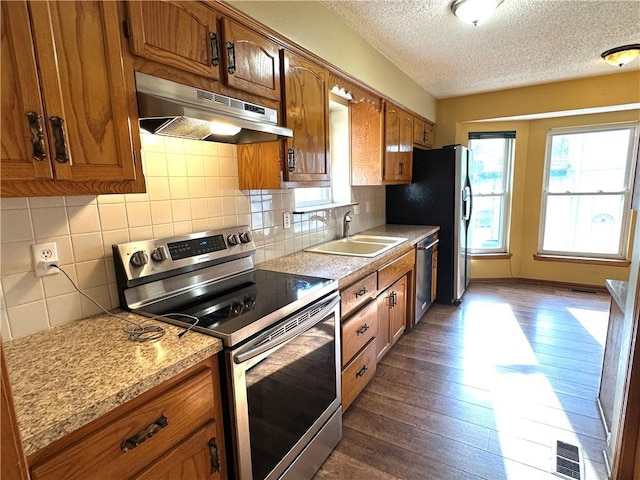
426, 264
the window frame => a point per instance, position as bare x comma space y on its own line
506, 194
632, 154
324, 197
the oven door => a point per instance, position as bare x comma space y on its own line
285, 394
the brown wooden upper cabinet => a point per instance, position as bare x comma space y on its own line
398, 142
381, 144
422, 133
67, 101
193, 37
306, 106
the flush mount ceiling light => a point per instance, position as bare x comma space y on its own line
474, 11
620, 56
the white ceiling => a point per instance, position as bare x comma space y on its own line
526, 42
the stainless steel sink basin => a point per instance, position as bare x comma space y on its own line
358, 245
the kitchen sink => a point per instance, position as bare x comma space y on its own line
358, 245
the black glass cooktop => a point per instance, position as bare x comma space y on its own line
228, 309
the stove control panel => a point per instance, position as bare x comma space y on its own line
137, 260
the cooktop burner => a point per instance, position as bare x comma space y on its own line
234, 305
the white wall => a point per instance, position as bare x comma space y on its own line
191, 186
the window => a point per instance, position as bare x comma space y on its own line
586, 196
490, 173
310, 197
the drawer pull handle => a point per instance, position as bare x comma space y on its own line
362, 371
132, 442
231, 56
393, 299
37, 136
215, 54
214, 452
362, 329
361, 292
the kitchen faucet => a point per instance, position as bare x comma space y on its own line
345, 224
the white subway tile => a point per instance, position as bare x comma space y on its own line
181, 210
15, 225
198, 208
244, 219
161, 212
197, 187
179, 187
64, 309
91, 274
136, 197
229, 206
156, 164
174, 145
176, 166
138, 214
110, 199
200, 225
80, 200
113, 237
87, 246
210, 149
152, 143
214, 207
242, 204
213, 186
182, 228
101, 296
44, 202
211, 166
158, 188
163, 231
140, 233
49, 222
226, 150
229, 221
226, 167
113, 217
83, 219
216, 223
21, 288
28, 318
16, 258
195, 165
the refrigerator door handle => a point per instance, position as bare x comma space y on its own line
466, 198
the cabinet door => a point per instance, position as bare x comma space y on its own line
383, 340
84, 83
179, 34
307, 114
197, 457
25, 155
251, 61
398, 309
398, 145
367, 130
419, 137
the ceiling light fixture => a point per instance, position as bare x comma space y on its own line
474, 11
620, 56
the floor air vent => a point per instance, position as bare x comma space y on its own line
567, 461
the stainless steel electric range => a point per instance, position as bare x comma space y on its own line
281, 337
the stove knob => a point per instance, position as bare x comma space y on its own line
232, 239
139, 258
245, 237
159, 254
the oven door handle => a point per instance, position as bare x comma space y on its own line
264, 343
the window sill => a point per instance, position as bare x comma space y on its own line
324, 206
490, 256
609, 262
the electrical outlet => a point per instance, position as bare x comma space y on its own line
367, 207
45, 256
286, 219
356, 209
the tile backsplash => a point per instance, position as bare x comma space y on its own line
191, 186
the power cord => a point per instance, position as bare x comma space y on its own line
139, 332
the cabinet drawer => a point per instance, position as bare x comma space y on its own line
358, 373
99, 454
395, 269
358, 330
358, 293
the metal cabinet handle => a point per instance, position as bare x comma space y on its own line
393, 299
214, 453
291, 160
362, 329
61, 144
231, 55
362, 371
361, 292
132, 442
401, 168
37, 136
215, 54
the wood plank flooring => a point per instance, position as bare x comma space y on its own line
481, 391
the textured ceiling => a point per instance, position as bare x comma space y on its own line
526, 42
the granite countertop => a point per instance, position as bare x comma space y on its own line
65, 377
618, 291
347, 269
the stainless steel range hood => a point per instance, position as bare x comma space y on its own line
176, 110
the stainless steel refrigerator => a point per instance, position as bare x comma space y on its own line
439, 194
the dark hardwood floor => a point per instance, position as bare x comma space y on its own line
483, 390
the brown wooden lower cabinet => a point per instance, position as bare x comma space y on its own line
373, 319
172, 431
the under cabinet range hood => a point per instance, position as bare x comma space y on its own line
176, 110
